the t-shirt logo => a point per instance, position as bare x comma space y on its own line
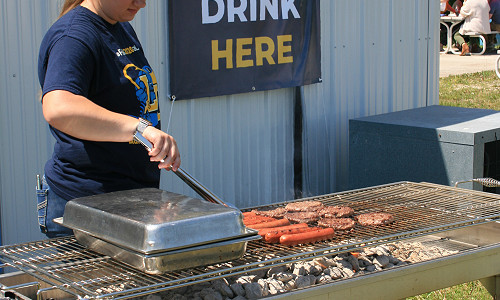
126, 51
146, 91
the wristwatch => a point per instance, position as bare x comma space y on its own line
143, 124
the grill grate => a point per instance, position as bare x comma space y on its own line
419, 209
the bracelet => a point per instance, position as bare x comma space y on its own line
143, 124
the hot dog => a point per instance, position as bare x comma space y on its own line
274, 236
276, 223
264, 231
307, 237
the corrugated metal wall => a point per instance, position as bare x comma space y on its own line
377, 57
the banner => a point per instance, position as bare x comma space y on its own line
221, 47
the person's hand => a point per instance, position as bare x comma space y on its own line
164, 149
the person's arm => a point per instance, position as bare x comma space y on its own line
83, 119
458, 6
449, 8
466, 10
79, 117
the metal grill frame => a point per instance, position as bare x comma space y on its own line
428, 208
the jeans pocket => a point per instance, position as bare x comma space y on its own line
41, 204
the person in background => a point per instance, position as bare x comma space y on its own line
98, 92
476, 14
457, 6
495, 19
446, 7
495, 15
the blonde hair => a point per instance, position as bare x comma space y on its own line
69, 5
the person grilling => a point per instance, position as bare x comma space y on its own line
98, 91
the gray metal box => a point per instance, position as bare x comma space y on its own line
438, 144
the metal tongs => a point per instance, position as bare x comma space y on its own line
184, 176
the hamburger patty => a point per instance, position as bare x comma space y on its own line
336, 211
376, 218
304, 206
337, 223
274, 213
302, 216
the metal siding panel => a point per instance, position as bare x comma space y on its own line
23, 24
433, 64
239, 146
375, 59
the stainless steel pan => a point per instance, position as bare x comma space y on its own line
157, 231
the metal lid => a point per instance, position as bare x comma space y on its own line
151, 220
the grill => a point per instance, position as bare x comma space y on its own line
419, 209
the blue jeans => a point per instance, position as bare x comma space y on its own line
49, 207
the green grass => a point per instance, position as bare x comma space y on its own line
470, 290
476, 90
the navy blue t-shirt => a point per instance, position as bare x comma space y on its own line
495, 11
85, 55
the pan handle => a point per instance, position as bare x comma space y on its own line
184, 176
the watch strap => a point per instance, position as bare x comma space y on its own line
143, 124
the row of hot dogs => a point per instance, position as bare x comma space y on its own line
281, 231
